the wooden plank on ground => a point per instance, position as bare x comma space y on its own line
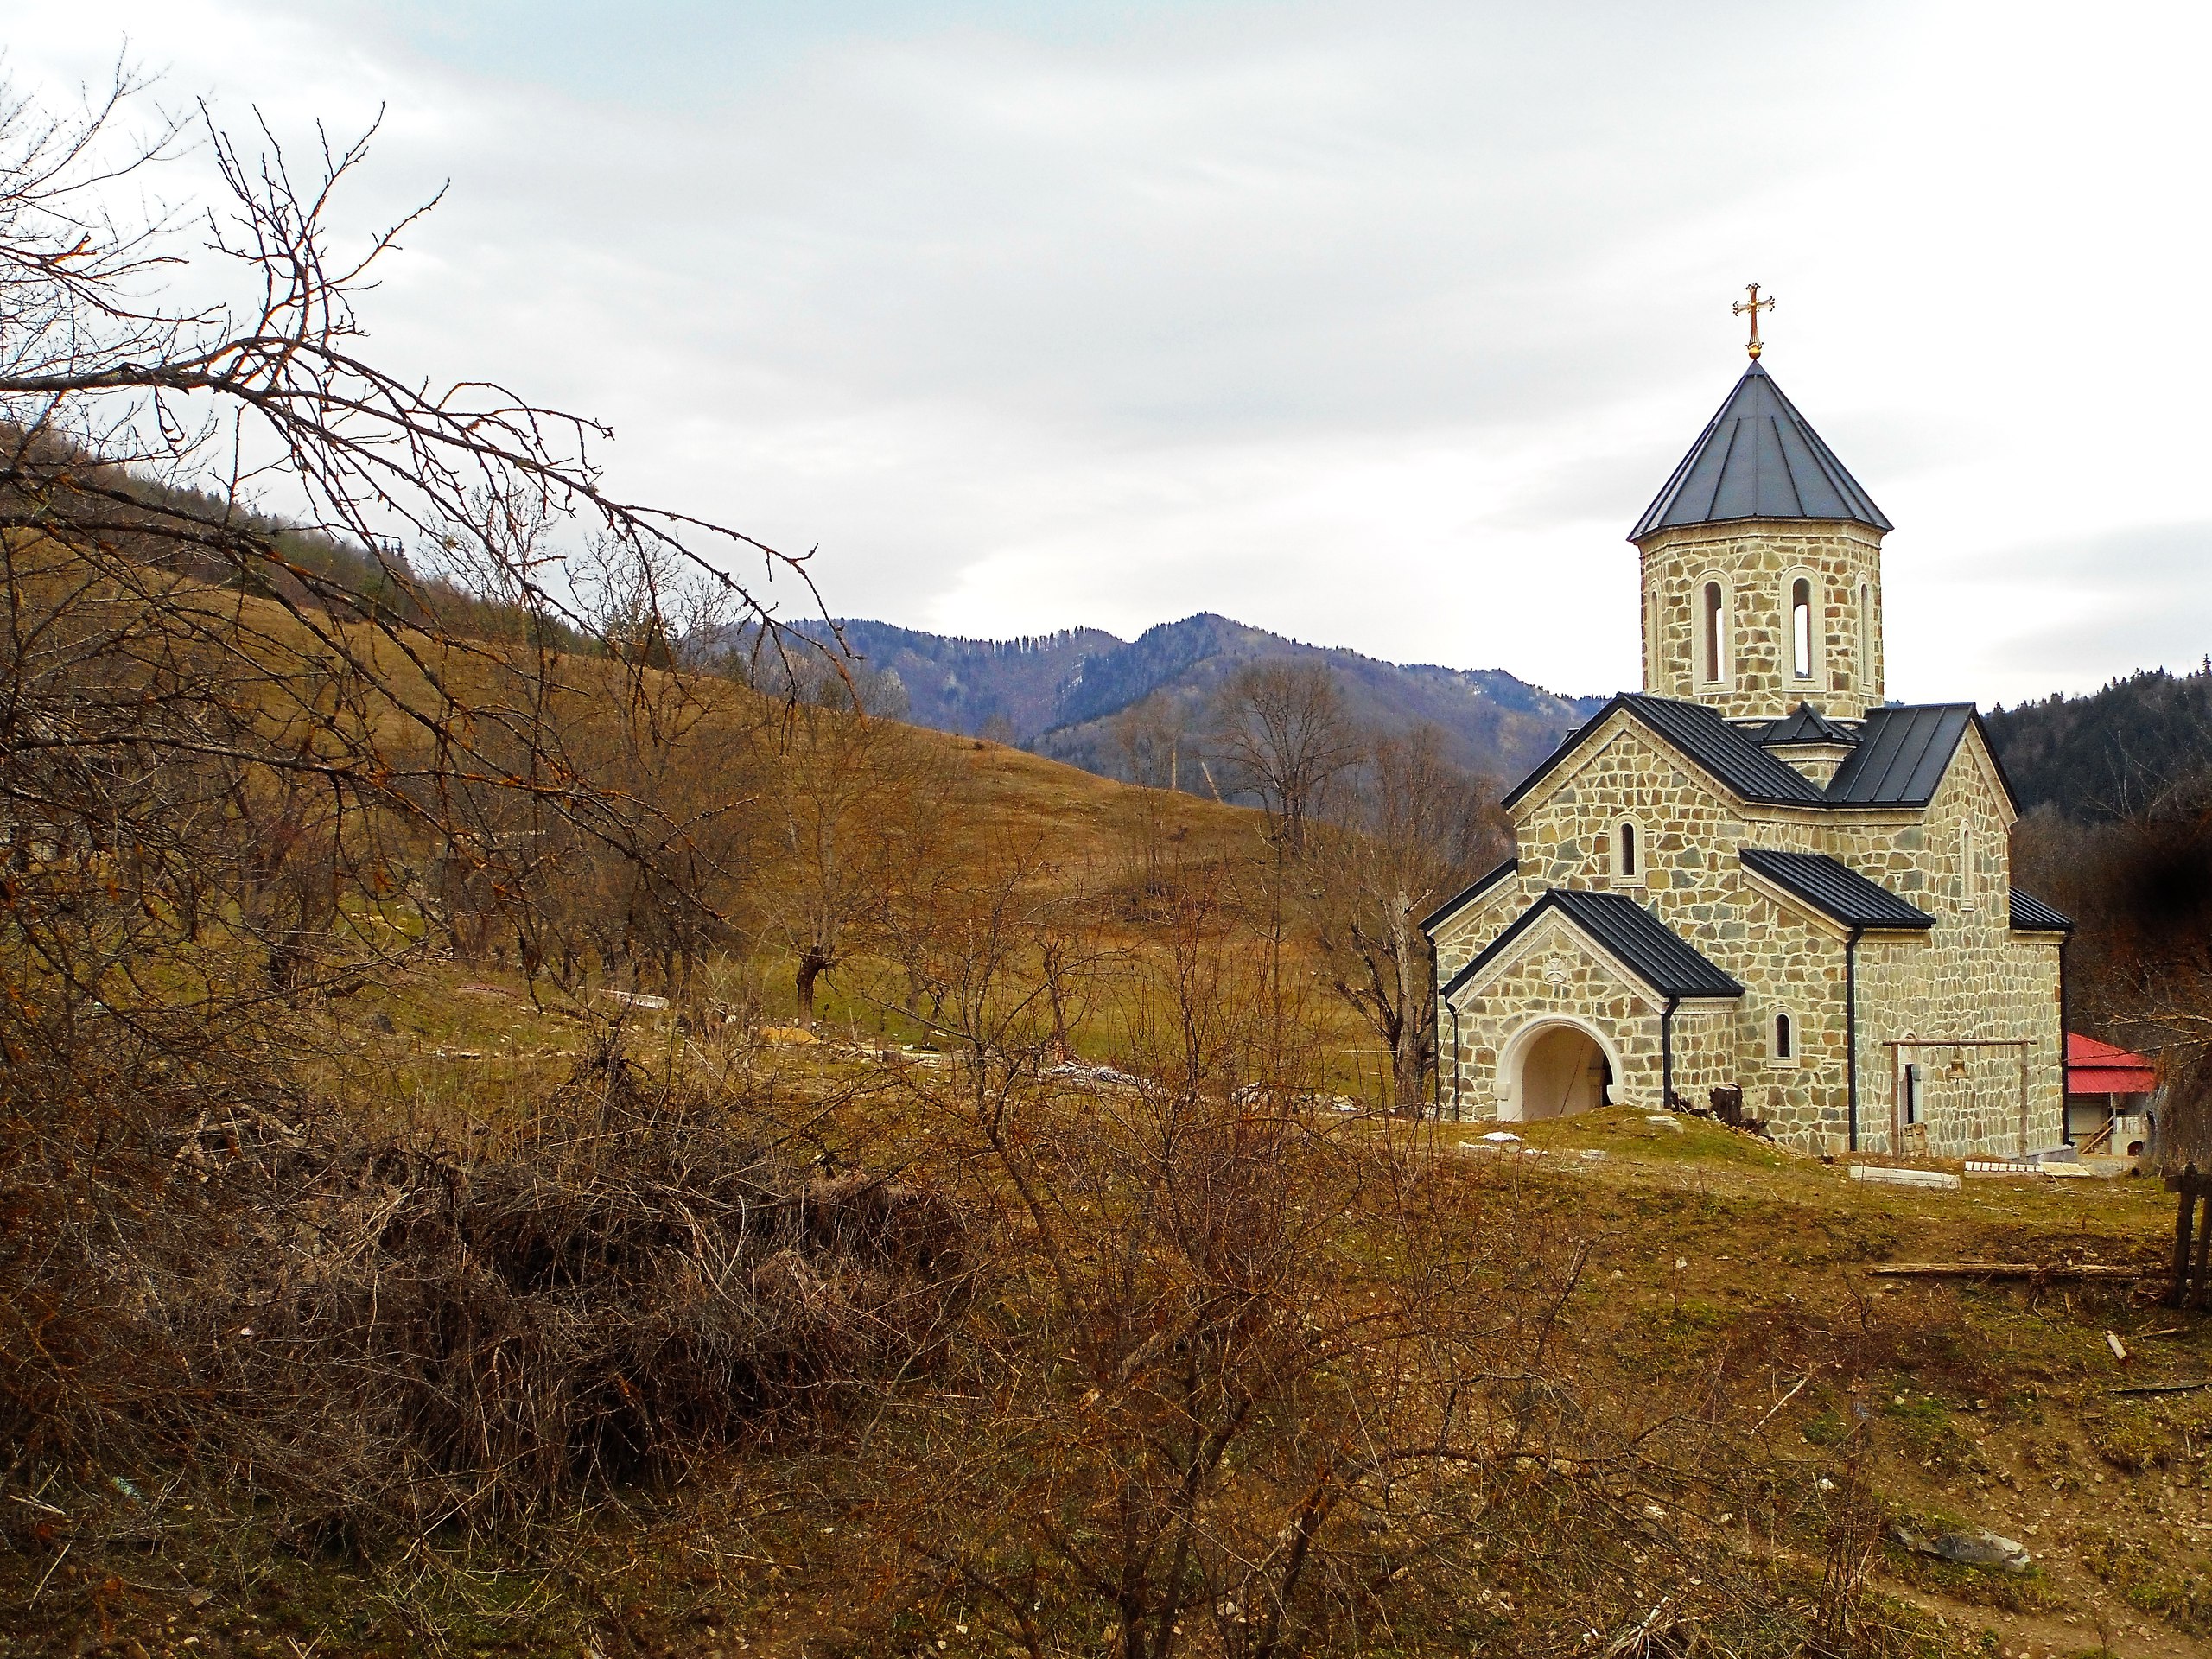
2005, 1270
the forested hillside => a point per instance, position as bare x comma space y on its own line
2114, 752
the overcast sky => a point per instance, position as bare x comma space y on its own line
1374, 323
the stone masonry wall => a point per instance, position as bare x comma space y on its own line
1754, 560
1971, 977
1552, 977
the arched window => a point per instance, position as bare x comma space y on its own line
1654, 652
1866, 637
1967, 885
1714, 642
1785, 1039
1800, 629
1628, 854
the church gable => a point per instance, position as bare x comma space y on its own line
1968, 853
1551, 964
1460, 926
1624, 812
1757, 884
1638, 947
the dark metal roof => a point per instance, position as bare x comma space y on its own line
1902, 753
1834, 889
2031, 915
1803, 724
1746, 770
1639, 941
1451, 907
1757, 459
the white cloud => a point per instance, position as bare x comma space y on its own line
1376, 324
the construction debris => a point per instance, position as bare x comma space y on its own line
1943, 1180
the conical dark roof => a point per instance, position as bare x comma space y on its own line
1759, 459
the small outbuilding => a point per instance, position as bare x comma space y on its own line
2107, 1096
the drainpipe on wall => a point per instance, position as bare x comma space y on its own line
1667, 1055
1851, 1033
2065, 1126
1456, 1111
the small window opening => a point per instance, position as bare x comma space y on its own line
1867, 635
1713, 632
1783, 1037
1912, 1094
1628, 849
1968, 894
1801, 628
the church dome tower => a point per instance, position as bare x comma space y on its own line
1762, 569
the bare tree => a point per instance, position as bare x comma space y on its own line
1283, 729
291, 643
852, 802
1416, 829
1150, 734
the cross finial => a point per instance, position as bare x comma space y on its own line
1754, 305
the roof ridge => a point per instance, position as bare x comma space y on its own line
1715, 482
1640, 943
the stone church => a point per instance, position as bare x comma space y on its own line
1757, 875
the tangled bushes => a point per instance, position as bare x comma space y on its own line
392, 1335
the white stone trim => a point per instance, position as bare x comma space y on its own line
1556, 931
1619, 723
1722, 638
1821, 922
2000, 797
1811, 681
1776, 1013
1514, 1048
1628, 836
1862, 602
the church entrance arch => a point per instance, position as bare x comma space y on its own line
1556, 1067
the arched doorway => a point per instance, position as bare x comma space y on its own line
1561, 1070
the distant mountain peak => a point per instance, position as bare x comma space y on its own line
1059, 693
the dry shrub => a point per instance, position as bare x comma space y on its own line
394, 1335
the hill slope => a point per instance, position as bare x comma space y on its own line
1057, 693
2112, 753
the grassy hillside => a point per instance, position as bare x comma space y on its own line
1750, 1422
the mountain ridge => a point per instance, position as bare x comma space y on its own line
1059, 694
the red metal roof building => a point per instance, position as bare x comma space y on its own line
2103, 1084
2095, 1068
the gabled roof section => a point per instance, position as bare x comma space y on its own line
2031, 915
1806, 724
1757, 459
1904, 751
2095, 1068
1700, 735
1834, 889
1631, 935
1452, 906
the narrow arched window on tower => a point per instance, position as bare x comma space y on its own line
1628, 852
1866, 637
1785, 1039
1712, 632
1801, 628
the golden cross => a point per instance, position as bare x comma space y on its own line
1754, 305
